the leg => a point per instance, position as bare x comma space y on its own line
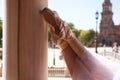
75, 65
80, 62
95, 67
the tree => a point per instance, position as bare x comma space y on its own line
49, 37
74, 30
0, 33
71, 25
87, 37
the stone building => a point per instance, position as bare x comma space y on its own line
109, 32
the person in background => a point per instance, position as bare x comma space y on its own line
115, 47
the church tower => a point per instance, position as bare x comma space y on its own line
107, 24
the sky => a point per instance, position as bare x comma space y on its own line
1, 9
80, 12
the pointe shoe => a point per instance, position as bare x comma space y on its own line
60, 27
52, 18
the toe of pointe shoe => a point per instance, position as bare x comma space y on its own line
51, 17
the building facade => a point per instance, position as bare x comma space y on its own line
109, 33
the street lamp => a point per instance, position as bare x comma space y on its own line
96, 17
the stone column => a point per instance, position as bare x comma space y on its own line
24, 41
10, 41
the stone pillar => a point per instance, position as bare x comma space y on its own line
24, 40
10, 41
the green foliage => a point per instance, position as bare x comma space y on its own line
49, 37
71, 25
0, 33
76, 32
87, 37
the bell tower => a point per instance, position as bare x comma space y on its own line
106, 24
107, 14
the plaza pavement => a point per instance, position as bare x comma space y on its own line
55, 78
56, 53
